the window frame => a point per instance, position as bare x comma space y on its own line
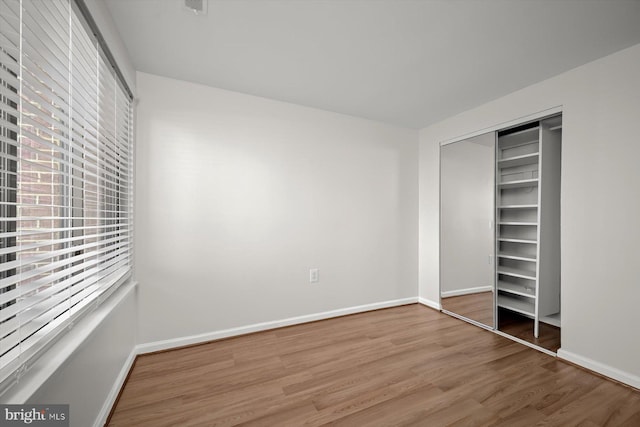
114, 193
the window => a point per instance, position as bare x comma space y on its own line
66, 179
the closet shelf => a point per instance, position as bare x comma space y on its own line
525, 159
516, 272
523, 137
515, 289
518, 207
518, 305
517, 223
508, 255
514, 240
532, 182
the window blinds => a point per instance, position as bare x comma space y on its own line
65, 179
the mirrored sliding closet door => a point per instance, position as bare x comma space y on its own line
467, 233
500, 230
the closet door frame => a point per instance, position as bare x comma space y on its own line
538, 116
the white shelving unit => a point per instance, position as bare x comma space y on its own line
528, 220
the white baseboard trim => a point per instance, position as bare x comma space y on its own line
257, 327
429, 303
467, 291
601, 368
101, 419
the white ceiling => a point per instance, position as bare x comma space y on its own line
409, 63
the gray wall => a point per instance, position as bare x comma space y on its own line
240, 196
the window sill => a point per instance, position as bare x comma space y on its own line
62, 349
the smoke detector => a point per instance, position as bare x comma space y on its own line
199, 7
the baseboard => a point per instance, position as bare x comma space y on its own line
467, 291
257, 327
101, 419
429, 303
601, 368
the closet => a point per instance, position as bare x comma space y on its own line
528, 220
522, 164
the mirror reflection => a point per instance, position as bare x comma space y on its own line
467, 188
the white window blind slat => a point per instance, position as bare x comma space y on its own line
41, 65
66, 200
42, 104
8, 55
60, 230
91, 260
30, 307
33, 71
9, 36
51, 157
52, 18
8, 127
29, 346
44, 135
71, 240
51, 152
8, 94
33, 257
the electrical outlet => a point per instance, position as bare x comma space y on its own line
314, 275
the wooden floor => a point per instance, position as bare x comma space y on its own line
478, 306
407, 365
522, 327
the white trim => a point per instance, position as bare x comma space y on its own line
101, 419
429, 303
257, 327
520, 120
467, 291
601, 368
61, 351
